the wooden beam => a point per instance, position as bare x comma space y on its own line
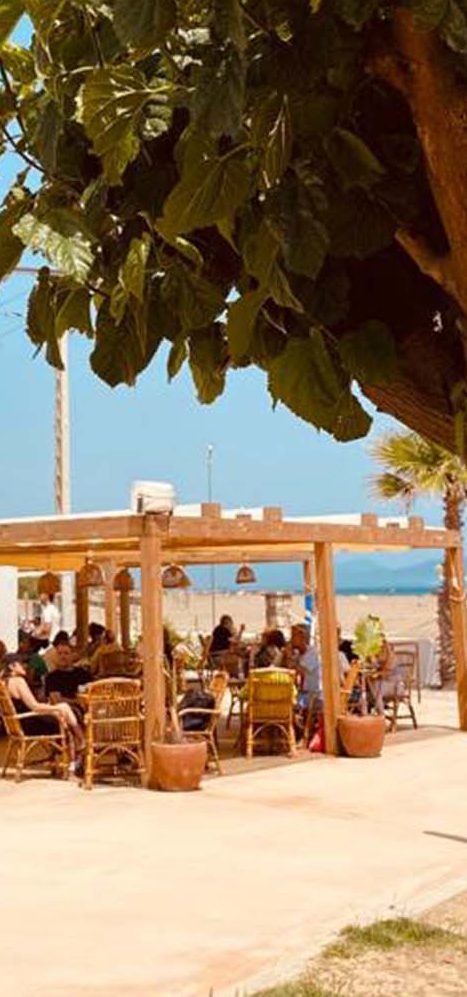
326, 605
82, 614
109, 569
69, 528
455, 562
152, 623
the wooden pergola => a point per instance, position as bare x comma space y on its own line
151, 540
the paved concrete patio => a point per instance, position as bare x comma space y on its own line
126, 892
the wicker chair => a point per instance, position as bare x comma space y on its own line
217, 688
401, 696
21, 745
270, 706
113, 726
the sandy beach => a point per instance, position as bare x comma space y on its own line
408, 616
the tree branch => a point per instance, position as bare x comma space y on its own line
24, 155
439, 268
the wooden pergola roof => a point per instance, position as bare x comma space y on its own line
150, 540
63, 543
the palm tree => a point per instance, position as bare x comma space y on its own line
412, 466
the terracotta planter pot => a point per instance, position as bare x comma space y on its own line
177, 767
361, 737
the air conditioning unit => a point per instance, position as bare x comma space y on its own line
152, 496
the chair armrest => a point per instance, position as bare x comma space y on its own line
198, 711
43, 713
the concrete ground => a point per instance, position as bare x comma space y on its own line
123, 893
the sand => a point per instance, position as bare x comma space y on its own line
408, 616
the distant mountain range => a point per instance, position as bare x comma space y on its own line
386, 573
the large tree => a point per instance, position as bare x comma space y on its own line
270, 182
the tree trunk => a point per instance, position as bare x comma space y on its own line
453, 501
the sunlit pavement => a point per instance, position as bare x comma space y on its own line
126, 892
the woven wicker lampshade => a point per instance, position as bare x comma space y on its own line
90, 576
174, 577
48, 584
123, 581
245, 575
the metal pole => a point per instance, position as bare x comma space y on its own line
212, 570
62, 470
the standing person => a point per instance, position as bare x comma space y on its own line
50, 618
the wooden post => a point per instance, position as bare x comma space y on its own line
455, 563
125, 619
82, 614
328, 640
108, 569
153, 646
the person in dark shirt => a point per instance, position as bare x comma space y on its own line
66, 677
222, 635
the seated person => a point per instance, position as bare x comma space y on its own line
303, 657
108, 658
24, 701
96, 636
66, 678
222, 635
345, 646
50, 654
387, 681
270, 653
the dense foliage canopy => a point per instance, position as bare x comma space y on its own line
269, 182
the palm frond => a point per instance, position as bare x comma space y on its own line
422, 465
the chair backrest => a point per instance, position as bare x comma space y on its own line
406, 662
114, 710
8, 714
114, 663
227, 661
271, 695
218, 686
348, 684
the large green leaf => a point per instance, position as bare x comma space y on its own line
454, 27
176, 359
10, 13
219, 94
356, 12
260, 250
353, 161
279, 145
133, 270
241, 318
40, 320
300, 228
74, 313
11, 246
123, 349
207, 363
18, 61
109, 106
70, 251
196, 301
43, 14
428, 13
369, 354
210, 192
303, 378
146, 23
351, 421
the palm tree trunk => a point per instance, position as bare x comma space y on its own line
452, 502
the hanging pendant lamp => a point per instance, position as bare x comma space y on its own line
174, 577
90, 575
245, 575
123, 582
48, 584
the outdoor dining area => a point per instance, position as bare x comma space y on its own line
278, 693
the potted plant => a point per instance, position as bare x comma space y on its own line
362, 735
178, 764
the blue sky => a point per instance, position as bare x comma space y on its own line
159, 431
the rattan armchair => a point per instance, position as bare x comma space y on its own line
270, 706
21, 746
217, 687
113, 728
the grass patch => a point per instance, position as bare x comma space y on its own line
390, 934
299, 989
